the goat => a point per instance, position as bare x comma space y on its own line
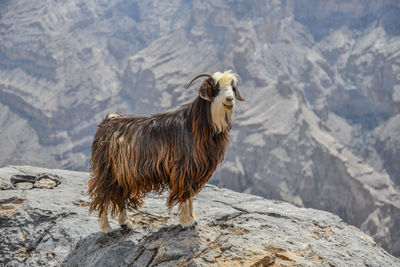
178, 150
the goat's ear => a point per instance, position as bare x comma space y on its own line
237, 93
205, 90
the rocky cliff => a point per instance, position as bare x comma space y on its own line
44, 221
320, 126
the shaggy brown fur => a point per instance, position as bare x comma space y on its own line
175, 150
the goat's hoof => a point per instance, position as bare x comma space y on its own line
127, 225
125, 229
189, 227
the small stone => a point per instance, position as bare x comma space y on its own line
5, 185
209, 257
21, 236
45, 183
24, 186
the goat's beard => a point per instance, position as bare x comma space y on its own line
221, 116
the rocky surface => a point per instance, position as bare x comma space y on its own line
320, 125
51, 226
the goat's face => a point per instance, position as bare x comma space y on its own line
221, 91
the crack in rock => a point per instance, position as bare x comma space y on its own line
271, 214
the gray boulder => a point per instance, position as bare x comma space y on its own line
47, 223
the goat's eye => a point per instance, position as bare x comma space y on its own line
215, 90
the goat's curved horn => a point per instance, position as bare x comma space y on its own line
198, 76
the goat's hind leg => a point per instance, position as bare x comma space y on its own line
123, 219
104, 223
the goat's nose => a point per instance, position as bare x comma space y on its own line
229, 99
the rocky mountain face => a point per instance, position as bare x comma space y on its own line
320, 125
44, 221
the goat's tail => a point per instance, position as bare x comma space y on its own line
104, 190
111, 116
105, 193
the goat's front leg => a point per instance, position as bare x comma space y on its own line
187, 217
191, 211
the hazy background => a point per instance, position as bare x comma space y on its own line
320, 126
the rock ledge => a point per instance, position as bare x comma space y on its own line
50, 226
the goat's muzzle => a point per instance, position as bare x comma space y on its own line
229, 103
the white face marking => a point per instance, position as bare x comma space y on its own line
228, 92
222, 109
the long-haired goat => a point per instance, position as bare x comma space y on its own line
177, 150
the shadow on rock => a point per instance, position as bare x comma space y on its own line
122, 247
